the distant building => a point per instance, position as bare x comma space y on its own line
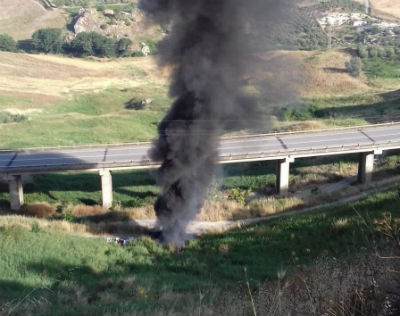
108, 12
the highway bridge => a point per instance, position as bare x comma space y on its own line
284, 148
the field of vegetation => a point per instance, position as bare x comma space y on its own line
69, 101
273, 268
62, 101
240, 191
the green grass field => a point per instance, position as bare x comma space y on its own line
53, 273
87, 119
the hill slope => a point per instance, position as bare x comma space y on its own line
385, 8
20, 18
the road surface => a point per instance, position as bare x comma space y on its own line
248, 148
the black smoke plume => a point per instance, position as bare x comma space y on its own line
213, 47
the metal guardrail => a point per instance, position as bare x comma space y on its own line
270, 155
233, 137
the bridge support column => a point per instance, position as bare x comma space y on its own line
16, 192
106, 188
366, 166
282, 175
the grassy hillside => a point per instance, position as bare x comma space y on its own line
20, 18
44, 272
69, 101
73, 101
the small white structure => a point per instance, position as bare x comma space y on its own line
108, 12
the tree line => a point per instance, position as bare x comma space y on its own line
364, 52
52, 40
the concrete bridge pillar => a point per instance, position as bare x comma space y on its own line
16, 192
282, 175
366, 166
106, 188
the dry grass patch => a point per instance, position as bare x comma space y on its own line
43, 224
39, 210
300, 126
85, 210
214, 211
328, 75
385, 8
20, 18
59, 75
141, 212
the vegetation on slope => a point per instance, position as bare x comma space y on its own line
45, 272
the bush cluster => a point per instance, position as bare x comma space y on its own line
347, 4
6, 117
47, 40
7, 43
95, 44
52, 40
378, 52
354, 66
302, 113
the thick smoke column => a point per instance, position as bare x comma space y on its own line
211, 47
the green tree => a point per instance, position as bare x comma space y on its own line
102, 45
381, 53
86, 44
390, 53
124, 47
372, 52
81, 45
362, 51
354, 66
47, 40
7, 43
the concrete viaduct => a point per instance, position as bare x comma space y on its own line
284, 148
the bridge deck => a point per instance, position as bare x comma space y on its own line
249, 148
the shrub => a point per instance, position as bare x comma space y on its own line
372, 52
238, 195
6, 117
82, 45
354, 66
301, 113
7, 43
137, 53
35, 227
47, 40
95, 44
381, 53
68, 216
135, 104
123, 47
362, 51
390, 53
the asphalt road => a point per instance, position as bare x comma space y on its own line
259, 147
